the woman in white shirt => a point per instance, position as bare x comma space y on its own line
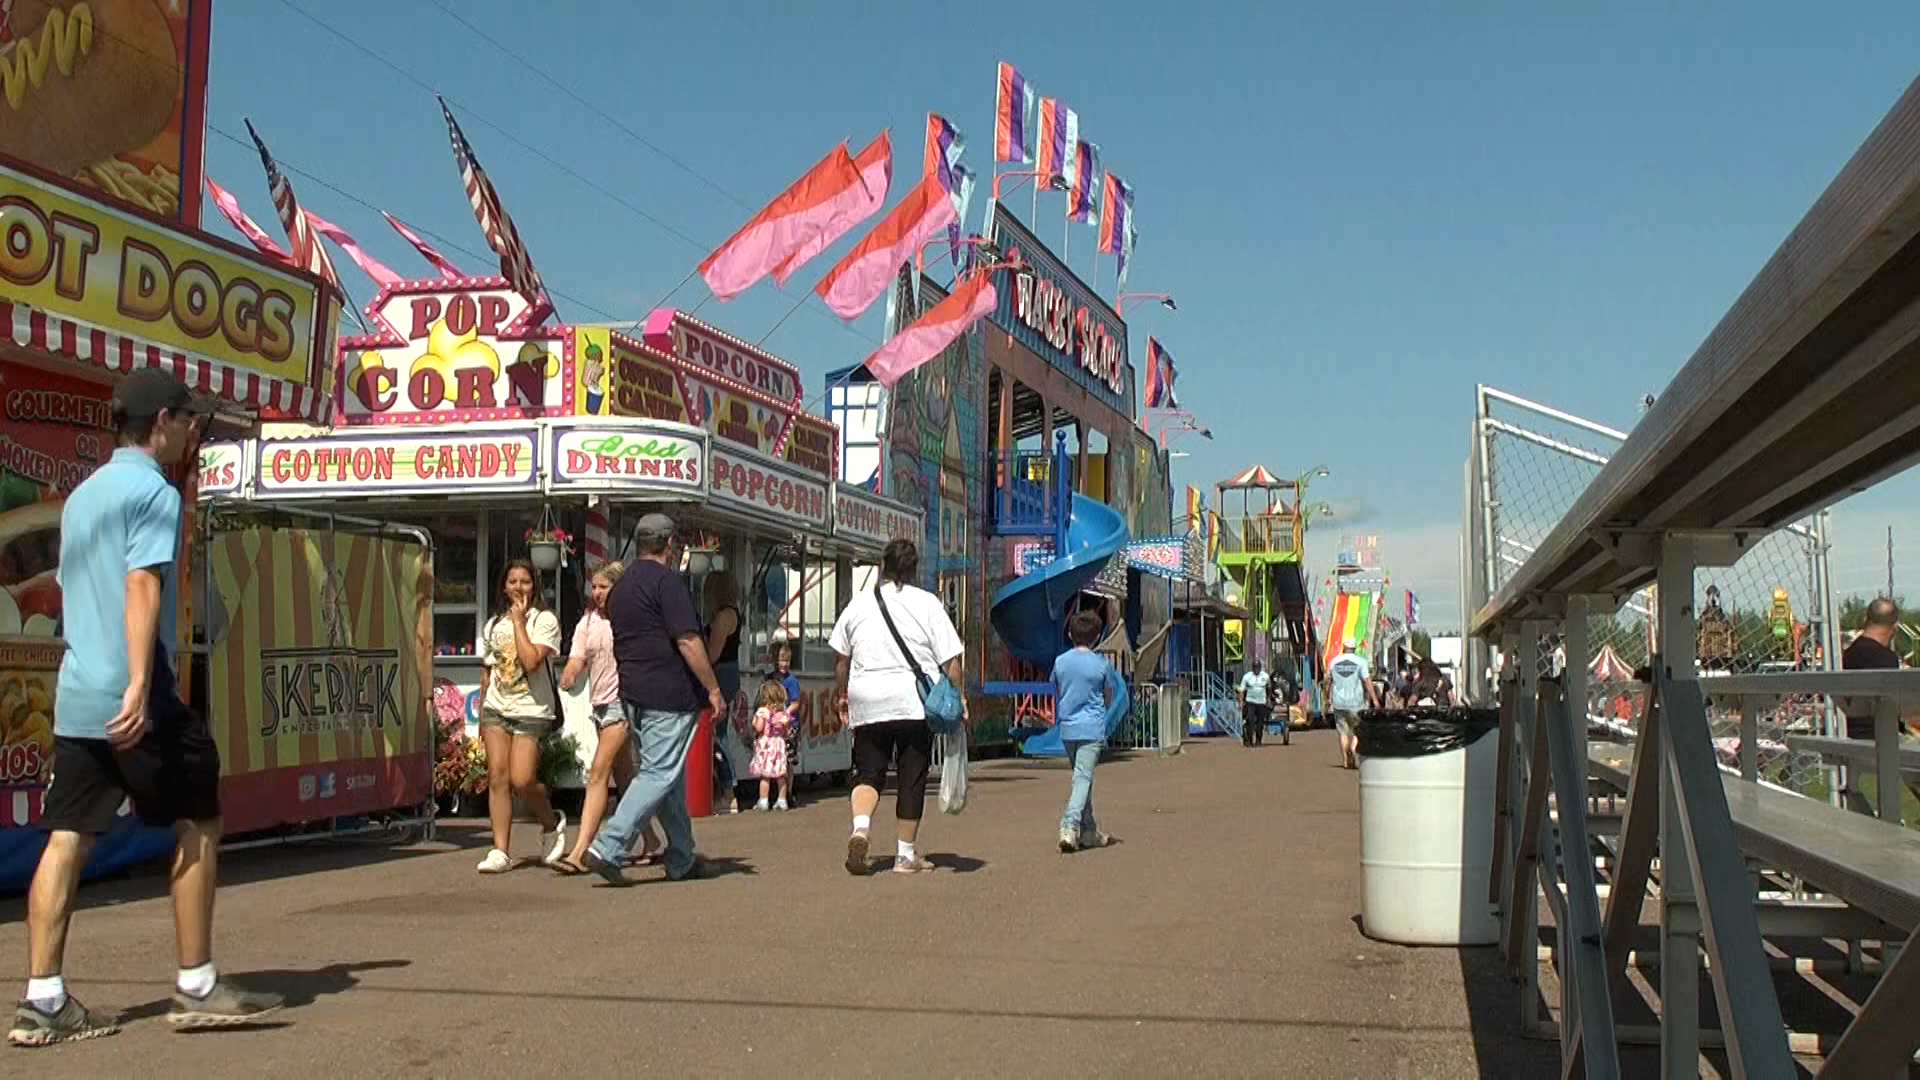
878, 696
518, 710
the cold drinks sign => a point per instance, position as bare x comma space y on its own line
1055, 315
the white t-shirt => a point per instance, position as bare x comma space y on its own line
1348, 678
1254, 684
880, 685
509, 691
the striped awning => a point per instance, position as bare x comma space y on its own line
1255, 476
116, 353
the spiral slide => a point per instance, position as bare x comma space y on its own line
1029, 612
1045, 742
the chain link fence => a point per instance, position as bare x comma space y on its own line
1768, 612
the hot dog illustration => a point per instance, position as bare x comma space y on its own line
83, 80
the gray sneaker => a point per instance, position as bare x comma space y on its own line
1069, 842
857, 855
226, 1005
608, 872
70, 1023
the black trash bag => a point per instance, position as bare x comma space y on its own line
1419, 732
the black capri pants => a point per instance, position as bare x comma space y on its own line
907, 745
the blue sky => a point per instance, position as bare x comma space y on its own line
1362, 212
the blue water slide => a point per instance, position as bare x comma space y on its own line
1045, 742
1029, 612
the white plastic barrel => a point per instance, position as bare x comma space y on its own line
1426, 846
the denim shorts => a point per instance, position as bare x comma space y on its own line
533, 727
605, 716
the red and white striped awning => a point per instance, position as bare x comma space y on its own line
1255, 476
42, 331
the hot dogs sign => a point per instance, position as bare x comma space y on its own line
453, 352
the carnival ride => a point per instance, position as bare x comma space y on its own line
1355, 617
1030, 612
1261, 541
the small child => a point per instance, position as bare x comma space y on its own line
1083, 685
771, 722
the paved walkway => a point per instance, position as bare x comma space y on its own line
1219, 938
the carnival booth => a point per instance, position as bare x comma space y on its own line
468, 415
91, 288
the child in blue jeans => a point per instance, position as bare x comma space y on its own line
1083, 685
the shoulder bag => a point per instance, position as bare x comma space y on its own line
938, 696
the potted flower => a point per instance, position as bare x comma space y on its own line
459, 767
547, 547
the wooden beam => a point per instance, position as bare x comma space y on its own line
1882, 1040
1639, 829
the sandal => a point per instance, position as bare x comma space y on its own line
645, 858
566, 867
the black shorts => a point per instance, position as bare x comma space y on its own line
172, 774
907, 745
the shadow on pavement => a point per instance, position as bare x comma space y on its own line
299, 987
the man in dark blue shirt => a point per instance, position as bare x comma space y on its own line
665, 678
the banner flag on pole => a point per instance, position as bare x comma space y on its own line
862, 275
1116, 205
794, 216
1013, 118
1084, 193
932, 332
229, 207
1058, 140
516, 265
426, 250
304, 248
876, 173
368, 265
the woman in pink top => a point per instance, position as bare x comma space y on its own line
592, 659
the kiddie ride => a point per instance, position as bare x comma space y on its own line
1260, 542
1030, 612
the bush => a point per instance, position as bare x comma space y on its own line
559, 759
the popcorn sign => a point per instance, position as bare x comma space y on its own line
767, 487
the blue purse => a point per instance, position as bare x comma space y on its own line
939, 697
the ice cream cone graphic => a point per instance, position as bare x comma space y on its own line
594, 373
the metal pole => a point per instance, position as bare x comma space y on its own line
1679, 907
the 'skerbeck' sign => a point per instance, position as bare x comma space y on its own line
1058, 318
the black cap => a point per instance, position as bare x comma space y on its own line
149, 391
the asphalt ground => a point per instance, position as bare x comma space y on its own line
1219, 937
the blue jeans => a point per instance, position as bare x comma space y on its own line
659, 790
1078, 819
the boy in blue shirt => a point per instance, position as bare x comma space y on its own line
1083, 685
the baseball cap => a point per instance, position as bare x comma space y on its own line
654, 526
149, 391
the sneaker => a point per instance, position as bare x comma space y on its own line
701, 870
71, 1022
857, 855
1096, 839
226, 1005
761, 805
607, 871
555, 842
496, 862
733, 806
781, 805
1069, 843
915, 865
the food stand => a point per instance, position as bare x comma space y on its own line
89, 291
467, 414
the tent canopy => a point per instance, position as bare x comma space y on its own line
1255, 476
1608, 667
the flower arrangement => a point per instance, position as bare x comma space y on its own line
460, 766
549, 534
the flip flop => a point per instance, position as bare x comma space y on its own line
650, 858
566, 867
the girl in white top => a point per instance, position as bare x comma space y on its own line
592, 660
879, 697
518, 710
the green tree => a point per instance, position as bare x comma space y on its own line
1853, 611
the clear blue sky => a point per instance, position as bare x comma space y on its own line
1362, 214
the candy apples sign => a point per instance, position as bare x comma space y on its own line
452, 355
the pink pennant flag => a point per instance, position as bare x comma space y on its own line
371, 266
426, 250
876, 173
783, 226
229, 207
863, 276
932, 332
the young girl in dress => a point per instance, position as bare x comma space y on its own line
771, 722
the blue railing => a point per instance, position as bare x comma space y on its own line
1021, 499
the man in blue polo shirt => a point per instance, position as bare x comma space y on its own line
120, 730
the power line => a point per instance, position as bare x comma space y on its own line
528, 65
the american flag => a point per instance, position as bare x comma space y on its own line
515, 264
308, 252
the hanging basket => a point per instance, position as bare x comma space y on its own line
545, 554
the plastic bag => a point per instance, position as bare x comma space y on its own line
1420, 732
953, 770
